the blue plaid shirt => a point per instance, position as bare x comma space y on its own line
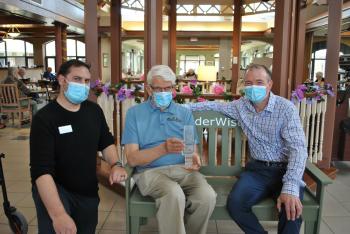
274, 134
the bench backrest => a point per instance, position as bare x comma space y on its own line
220, 144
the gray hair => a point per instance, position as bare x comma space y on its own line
254, 66
12, 71
163, 71
319, 74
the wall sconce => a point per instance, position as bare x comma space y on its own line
207, 74
13, 32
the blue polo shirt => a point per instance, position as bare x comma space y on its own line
148, 127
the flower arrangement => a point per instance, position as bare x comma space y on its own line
312, 91
218, 89
120, 89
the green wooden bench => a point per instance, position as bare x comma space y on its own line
221, 171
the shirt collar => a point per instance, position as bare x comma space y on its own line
271, 104
171, 108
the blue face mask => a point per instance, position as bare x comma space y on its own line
255, 93
162, 99
77, 93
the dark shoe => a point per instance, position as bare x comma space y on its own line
2, 126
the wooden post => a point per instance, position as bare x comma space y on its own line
91, 41
116, 58
281, 47
299, 64
172, 35
331, 76
61, 44
153, 35
236, 43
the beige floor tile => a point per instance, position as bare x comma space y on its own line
29, 214
20, 187
339, 191
346, 205
119, 205
5, 229
32, 230
212, 228
27, 201
325, 229
107, 199
108, 231
227, 226
14, 198
339, 225
332, 207
115, 221
102, 217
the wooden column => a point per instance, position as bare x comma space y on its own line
331, 76
172, 35
299, 63
309, 37
116, 61
281, 47
61, 43
236, 43
116, 28
91, 40
153, 33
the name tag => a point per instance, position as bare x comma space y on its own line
65, 129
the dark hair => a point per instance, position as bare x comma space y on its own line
259, 66
66, 66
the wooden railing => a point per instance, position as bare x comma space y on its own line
312, 116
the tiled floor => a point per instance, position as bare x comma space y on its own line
14, 143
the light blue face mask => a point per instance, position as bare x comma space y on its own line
162, 99
77, 93
255, 93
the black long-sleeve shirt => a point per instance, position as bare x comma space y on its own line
64, 144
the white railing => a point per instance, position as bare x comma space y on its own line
312, 116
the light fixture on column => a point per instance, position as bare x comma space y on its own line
13, 32
207, 74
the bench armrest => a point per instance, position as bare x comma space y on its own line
316, 174
321, 180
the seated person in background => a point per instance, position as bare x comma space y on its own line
153, 144
12, 78
49, 75
319, 78
22, 75
191, 75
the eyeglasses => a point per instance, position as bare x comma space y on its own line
162, 89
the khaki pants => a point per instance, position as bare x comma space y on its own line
181, 196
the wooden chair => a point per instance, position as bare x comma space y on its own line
11, 102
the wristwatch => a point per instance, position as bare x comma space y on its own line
117, 163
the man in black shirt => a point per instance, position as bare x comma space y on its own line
64, 139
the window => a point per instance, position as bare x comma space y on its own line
16, 53
190, 62
75, 50
318, 62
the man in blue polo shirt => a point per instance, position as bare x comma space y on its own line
153, 144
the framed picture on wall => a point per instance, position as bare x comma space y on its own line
105, 59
